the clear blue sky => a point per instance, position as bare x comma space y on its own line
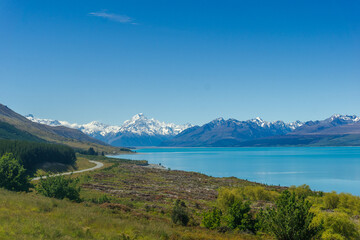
180, 61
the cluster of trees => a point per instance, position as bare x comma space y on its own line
290, 218
31, 154
14, 177
91, 151
19, 158
296, 213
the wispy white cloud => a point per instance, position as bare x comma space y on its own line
113, 17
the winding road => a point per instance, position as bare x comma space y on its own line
98, 165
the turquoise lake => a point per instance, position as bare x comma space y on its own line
322, 168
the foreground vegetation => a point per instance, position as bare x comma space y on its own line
130, 200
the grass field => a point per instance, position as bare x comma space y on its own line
138, 206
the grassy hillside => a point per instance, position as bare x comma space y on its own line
8, 131
67, 136
29, 216
134, 214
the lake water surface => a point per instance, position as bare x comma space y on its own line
322, 168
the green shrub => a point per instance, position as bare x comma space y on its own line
179, 213
337, 225
331, 200
290, 219
303, 191
59, 187
228, 196
12, 174
212, 218
239, 217
256, 193
349, 203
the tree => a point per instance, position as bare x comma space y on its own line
179, 214
12, 174
239, 217
291, 219
212, 218
91, 151
59, 187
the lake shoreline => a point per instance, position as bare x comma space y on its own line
323, 168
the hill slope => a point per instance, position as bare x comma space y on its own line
8, 131
59, 134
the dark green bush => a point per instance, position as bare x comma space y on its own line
290, 219
239, 217
212, 218
179, 213
59, 187
12, 174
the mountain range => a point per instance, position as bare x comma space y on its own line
338, 130
138, 131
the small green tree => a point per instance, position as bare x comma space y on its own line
12, 174
212, 219
239, 217
179, 214
291, 219
59, 187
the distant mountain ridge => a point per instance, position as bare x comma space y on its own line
338, 130
221, 132
138, 131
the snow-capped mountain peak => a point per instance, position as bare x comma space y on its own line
49, 122
139, 124
347, 118
259, 122
139, 116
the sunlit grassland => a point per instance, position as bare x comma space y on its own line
30, 216
133, 215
